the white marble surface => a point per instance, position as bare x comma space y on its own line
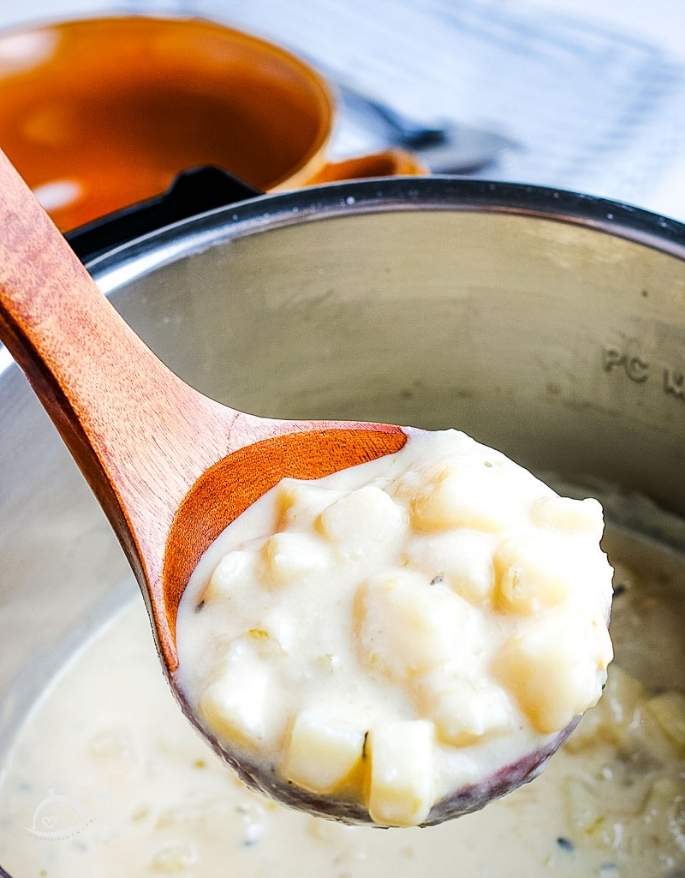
594, 89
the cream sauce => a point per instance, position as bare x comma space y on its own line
107, 778
400, 630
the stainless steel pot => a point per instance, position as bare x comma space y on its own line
549, 324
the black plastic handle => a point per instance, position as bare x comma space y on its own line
192, 192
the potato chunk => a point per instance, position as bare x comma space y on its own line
532, 575
400, 782
463, 494
464, 559
668, 709
233, 569
299, 503
235, 703
323, 750
566, 514
614, 719
294, 557
552, 676
463, 711
663, 817
364, 522
406, 626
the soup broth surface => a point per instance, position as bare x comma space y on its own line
106, 777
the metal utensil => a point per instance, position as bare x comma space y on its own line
446, 147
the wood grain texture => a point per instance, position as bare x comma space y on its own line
170, 467
235, 482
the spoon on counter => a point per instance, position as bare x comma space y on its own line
445, 146
170, 467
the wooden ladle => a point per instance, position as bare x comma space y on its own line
170, 467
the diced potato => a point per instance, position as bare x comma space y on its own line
463, 712
663, 818
294, 557
615, 718
531, 575
588, 732
566, 514
664, 792
364, 522
647, 735
234, 568
463, 494
323, 750
463, 453
551, 676
405, 626
464, 559
668, 709
298, 503
622, 694
400, 780
235, 703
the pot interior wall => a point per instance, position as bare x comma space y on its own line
561, 345
548, 340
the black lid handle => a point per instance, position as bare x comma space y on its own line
192, 192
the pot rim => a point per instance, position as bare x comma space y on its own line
383, 195
141, 256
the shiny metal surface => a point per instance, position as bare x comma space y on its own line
548, 324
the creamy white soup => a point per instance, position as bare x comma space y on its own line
106, 777
402, 630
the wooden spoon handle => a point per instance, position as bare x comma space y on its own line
141, 436
129, 422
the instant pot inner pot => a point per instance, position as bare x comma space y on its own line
561, 345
